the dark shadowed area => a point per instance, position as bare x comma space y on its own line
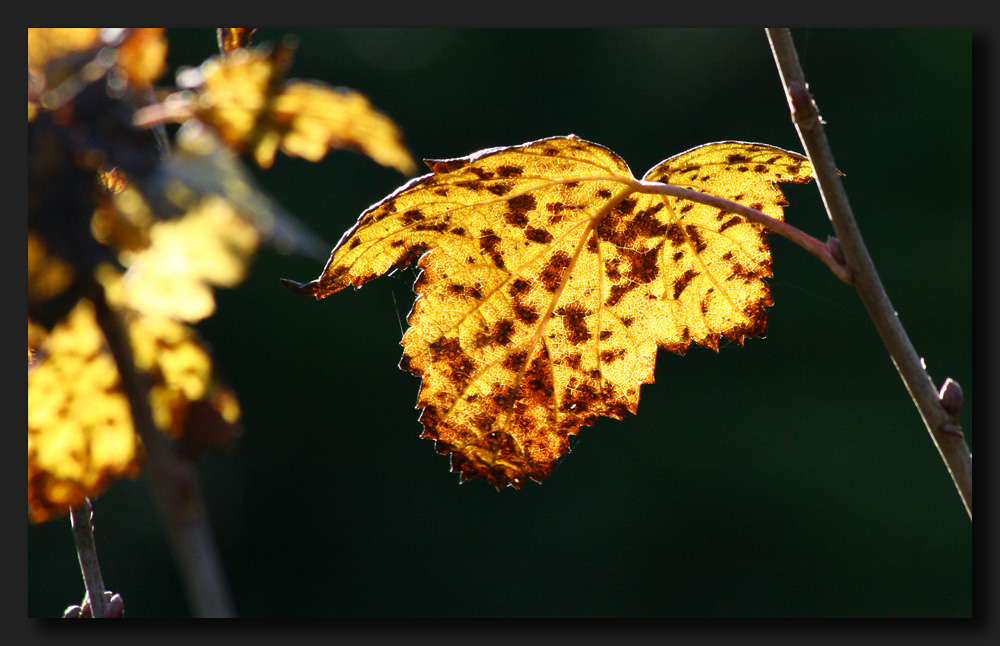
791, 477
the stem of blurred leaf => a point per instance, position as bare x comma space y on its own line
86, 552
174, 481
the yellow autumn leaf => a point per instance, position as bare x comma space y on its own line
548, 279
142, 56
48, 276
245, 98
210, 246
46, 44
80, 431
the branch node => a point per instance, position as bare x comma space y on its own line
951, 397
837, 253
802, 103
114, 608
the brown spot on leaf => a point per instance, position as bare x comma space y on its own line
438, 226
458, 366
509, 171
611, 269
646, 223
445, 165
522, 203
625, 207
517, 287
695, 235
538, 235
536, 387
515, 219
615, 295
524, 313
683, 281
733, 221
500, 188
643, 265
503, 332
409, 255
739, 271
411, 216
554, 270
488, 242
608, 356
574, 320
675, 235
514, 360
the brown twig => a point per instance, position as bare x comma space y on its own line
799, 237
941, 424
174, 481
86, 552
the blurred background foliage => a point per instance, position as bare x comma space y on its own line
790, 477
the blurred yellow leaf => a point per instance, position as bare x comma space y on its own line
548, 279
210, 246
80, 431
48, 276
245, 98
46, 44
142, 56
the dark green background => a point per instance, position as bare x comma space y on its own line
789, 477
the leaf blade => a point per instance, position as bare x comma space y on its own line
547, 282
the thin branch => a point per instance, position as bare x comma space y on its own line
941, 423
174, 481
86, 552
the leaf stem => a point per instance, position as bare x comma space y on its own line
174, 481
173, 110
799, 237
86, 552
940, 423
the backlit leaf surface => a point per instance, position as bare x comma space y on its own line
548, 280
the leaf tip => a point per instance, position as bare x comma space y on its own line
306, 289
